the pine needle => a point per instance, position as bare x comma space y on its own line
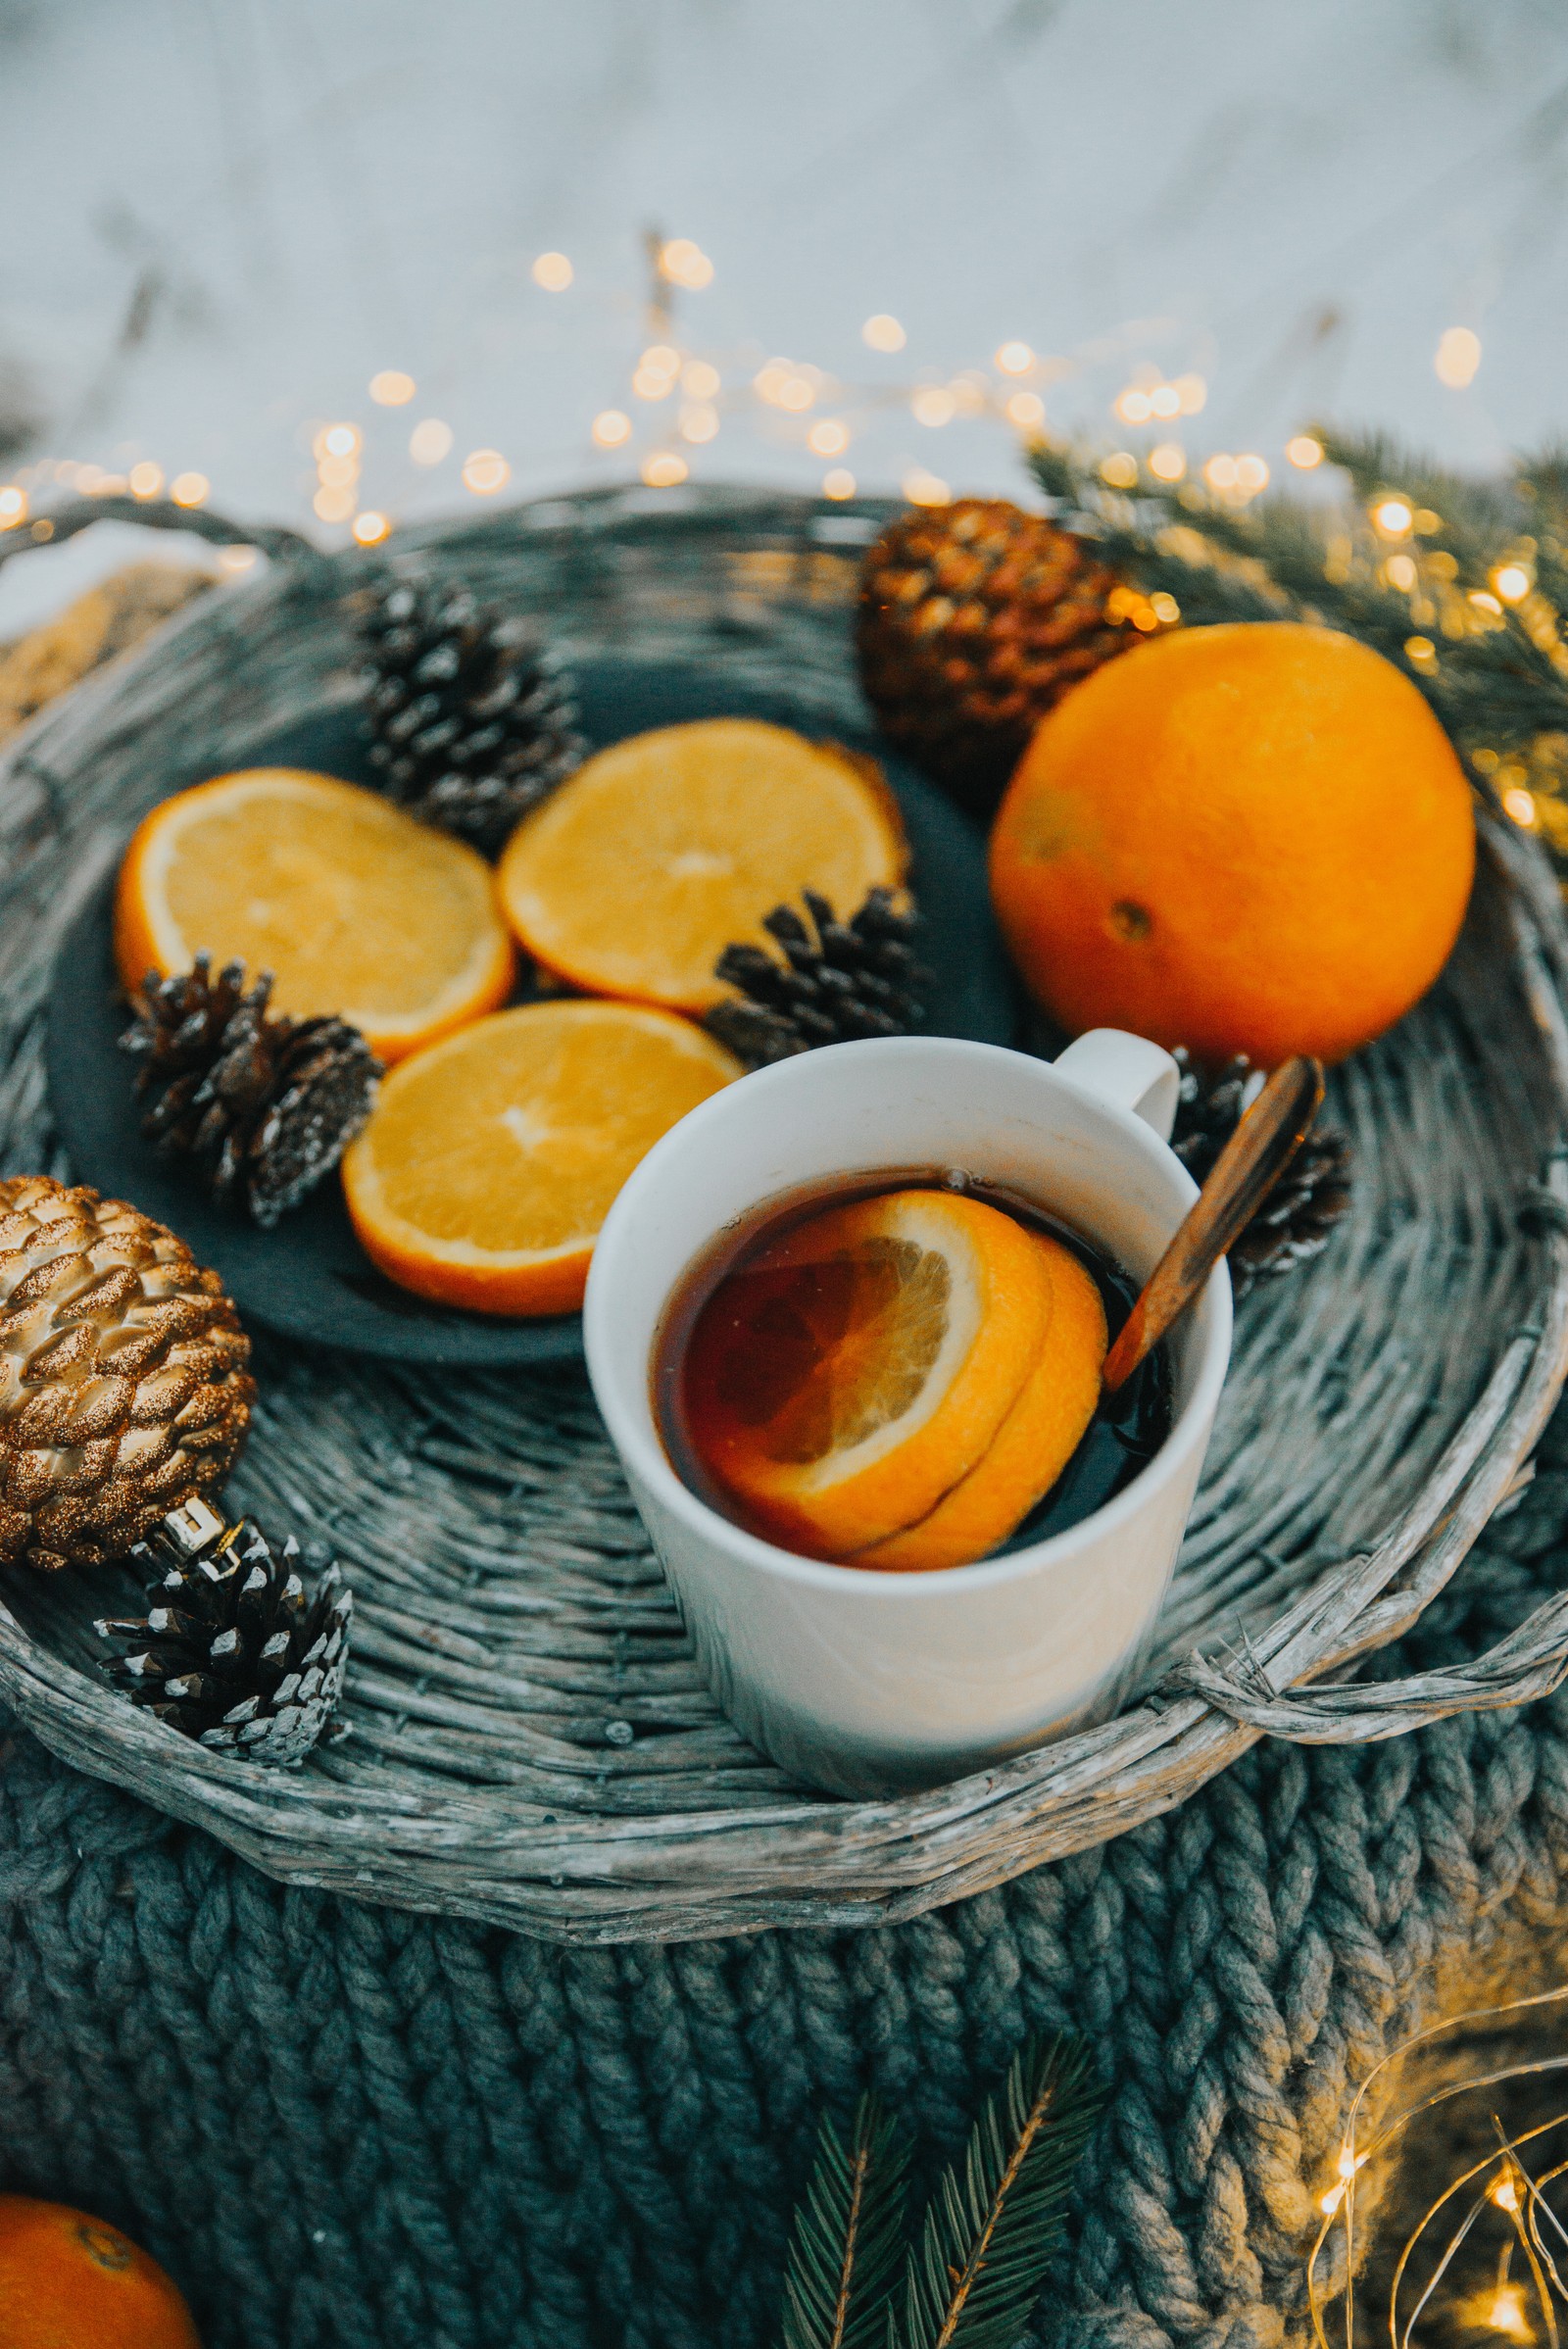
849, 2237
990, 2231
1495, 672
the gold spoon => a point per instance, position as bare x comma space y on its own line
1241, 1179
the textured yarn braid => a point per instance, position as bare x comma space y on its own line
353, 2127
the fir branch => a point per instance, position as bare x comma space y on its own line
849, 2237
1495, 675
989, 2234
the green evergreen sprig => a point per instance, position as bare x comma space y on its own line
1493, 665
848, 2244
971, 2278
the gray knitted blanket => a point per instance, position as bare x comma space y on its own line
348, 2127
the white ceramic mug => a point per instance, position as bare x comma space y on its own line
861, 1682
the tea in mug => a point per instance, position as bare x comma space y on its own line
902, 1374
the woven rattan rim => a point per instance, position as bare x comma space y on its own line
530, 1743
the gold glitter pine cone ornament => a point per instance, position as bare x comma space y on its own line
125, 1386
975, 619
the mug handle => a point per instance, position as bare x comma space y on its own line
1126, 1070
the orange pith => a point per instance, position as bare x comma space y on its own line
70, 2281
492, 1158
354, 908
1253, 838
852, 1373
1031, 1447
659, 853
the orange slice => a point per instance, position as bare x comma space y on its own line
1031, 1447
491, 1159
353, 906
845, 1380
633, 877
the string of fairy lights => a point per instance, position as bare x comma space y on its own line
680, 394
1488, 2252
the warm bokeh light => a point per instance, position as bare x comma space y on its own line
12, 507
371, 527
883, 333
838, 482
612, 428
1027, 411
926, 489
1164, 401
1252, 475
685, 263
554, 272
337, 440
1133, 405
1458, 356
700, 380
339, 472
657, 373
698, 421
1165, 607
1402, 571
1191, 392
1015, 359
1119, 468
1518, 804
430, 441
933, 404
1304, 451
1420, 652
797, 395
1169, 461
189, 489
1506, 2313
146, 480
392, 389
334, 505
1393, 516
1511, 581
829, 438
484, 472
237, 560
663, 470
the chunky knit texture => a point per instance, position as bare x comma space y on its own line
349, 2127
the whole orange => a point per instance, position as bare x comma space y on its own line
1245, 839
68, 2281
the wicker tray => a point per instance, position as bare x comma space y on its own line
529, 1741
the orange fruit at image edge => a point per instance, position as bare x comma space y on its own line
492, 1158
68, 2281
356, 910
660, 851
1253, 838
846, 1377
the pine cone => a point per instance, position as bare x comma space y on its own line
265, 1106
836, 981
472, 724
975, 619
232, 1650
123, 1380
1296, 1219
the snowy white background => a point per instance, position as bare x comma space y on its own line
221, 216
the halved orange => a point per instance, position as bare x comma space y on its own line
845, 1380
353, 906
632, 878
491, 1159
1031, 1447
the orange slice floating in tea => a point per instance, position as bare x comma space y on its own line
1033, 1445
491, 1159
634, 876
842, 1381
355, 909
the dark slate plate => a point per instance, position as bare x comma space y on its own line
309, 1278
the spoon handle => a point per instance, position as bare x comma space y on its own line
1245, 1172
